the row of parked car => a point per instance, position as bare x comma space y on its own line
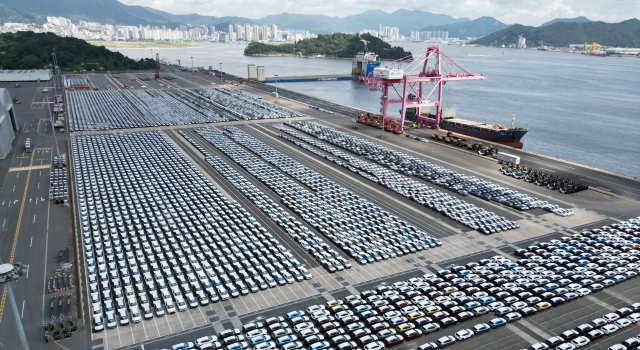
159, 237
547, 275
413, 166
455, 208
244, 105
365, 231
105, 110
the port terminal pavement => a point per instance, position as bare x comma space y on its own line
33, 229
591, 208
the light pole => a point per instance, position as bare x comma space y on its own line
276, 75
191, 62
9, 273
222, 80
384, 114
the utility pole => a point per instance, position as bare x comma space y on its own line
384, 114
191, 62
55, 96
276, 75
222, 80
10, 273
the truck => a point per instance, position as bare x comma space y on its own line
27, 145
508, 158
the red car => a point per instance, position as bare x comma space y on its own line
471, 265
435, 281
278, 325
394, 339
595, 334
379, 326
449, 277
457, 309
625, 311
570, 334
440, 315
470, 291
412, 294
412, 333
403, 303
435, 294
329, 325
386, 308
360, 332
465, 315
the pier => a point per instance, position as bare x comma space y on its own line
328, 77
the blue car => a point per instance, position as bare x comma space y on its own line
497, 322
486, 300
510, 265
294, 314
286, 339
361, 308
559, 269
259, 339
472, 305
464, 273
618, 278
237, 346
319, 345
551, 286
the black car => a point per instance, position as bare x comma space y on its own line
557, 301
448, 321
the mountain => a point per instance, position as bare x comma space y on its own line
102, 11
580, 19
114, 12
406, 20
197, 20
562, 34
10, 15
471, 29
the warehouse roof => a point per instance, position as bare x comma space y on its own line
25, 75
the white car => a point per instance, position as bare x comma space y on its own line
622, 323
634, 317
464, 334
609, 329
580, 341
206, 339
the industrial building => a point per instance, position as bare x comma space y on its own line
25, 75
8, 123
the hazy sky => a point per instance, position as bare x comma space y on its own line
528, 12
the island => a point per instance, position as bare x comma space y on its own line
29, 50
336, 45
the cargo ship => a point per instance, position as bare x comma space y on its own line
510, 136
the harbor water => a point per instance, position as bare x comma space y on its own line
579, 108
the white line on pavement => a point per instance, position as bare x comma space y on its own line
523, 335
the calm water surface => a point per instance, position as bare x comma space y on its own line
579, 108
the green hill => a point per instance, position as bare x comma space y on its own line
562, 34
102, 11
9, 15
580, 19
28, 50
471, 29
334, 45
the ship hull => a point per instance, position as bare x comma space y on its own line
507, 137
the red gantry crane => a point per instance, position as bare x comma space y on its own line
430, 66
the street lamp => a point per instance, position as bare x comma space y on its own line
9, 273
191, 62
222, 80
276, 75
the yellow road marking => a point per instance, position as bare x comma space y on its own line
38, 130
55, 341
15, 239
35, 167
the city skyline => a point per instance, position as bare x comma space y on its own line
526, 12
